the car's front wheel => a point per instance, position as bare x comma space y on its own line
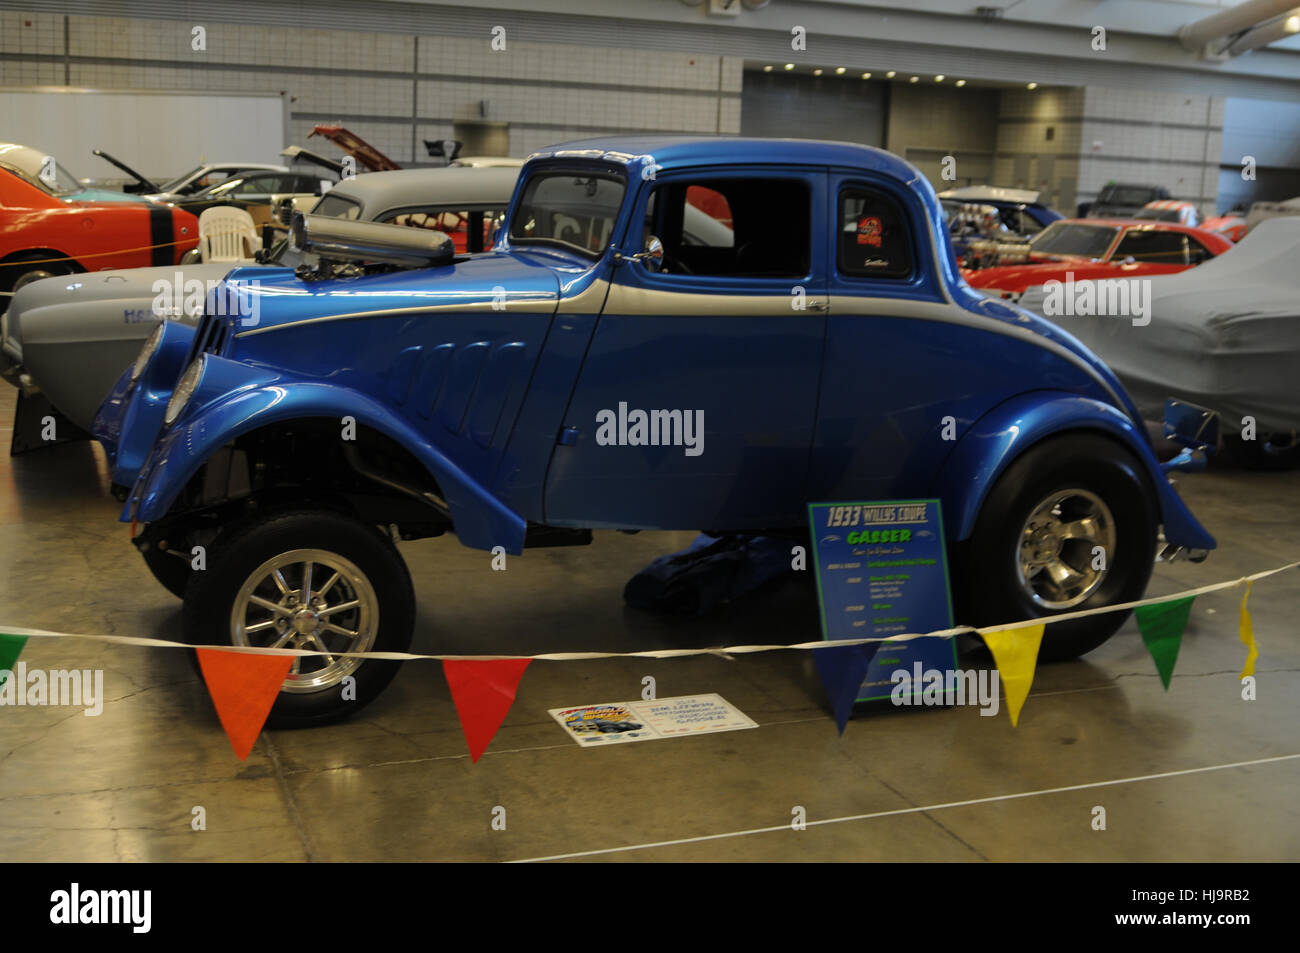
172, 570
318, 581
1070, 525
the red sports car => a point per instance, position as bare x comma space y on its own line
1102, 248
42, 235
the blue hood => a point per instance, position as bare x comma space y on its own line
280, 297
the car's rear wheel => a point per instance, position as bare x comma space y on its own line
309, 580
1070, 525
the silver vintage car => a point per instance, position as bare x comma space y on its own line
65, 340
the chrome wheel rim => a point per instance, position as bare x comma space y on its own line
308, 599
1056, 560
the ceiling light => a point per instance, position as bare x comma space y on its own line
817, 72
960, 82
789, 66
890, 75
939, 78
841, 70
866, 76
767, 69
1031, 86
915, 79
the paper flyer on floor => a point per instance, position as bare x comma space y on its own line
616, 722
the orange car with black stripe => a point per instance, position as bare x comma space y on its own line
42, 235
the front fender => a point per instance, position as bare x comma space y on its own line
128, 421
481, 520
1011, 428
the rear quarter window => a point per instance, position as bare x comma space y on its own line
873, 239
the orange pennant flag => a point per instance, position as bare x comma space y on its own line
243, 686
1015, 653
483, 692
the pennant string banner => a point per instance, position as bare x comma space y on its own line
1162, 627
11, 646
1015, 653
20, 631
1247, 635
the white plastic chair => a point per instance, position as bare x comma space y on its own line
223, 229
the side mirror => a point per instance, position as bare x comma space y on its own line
652, 257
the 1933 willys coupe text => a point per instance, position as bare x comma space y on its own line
395, 390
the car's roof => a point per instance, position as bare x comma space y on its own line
449, 184
1147, 223
250, 166
26, 158
992, 194
670, 151
484, 162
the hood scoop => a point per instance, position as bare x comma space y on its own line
355, 245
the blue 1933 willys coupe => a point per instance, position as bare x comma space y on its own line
610, 365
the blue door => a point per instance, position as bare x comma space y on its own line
906, 370
696, 403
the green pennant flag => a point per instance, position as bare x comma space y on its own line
1162, 628
11, 646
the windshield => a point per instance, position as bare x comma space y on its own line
1122, 195
51, 177
576, 211
1160, 214
176, 183
1073, 240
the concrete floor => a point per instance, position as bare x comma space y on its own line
396, 782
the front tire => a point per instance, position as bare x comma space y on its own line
172, 571
310, 580
1070, 525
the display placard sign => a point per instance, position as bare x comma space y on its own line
882, 570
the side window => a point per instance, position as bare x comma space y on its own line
299, 183
708, 219
471, 229
1197, 251
873, 240
258, 185
740, 228
336, 206
1028, 225
1162, 247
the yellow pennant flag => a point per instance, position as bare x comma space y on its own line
1015, 653
1248, 634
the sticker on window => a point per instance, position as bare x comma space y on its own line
869, 231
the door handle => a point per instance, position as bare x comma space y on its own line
815, 305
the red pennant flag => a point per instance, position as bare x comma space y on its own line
243, 687
483, 693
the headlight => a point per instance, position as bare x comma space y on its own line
150, 345
184, 390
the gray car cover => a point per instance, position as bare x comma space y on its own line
1225, 335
